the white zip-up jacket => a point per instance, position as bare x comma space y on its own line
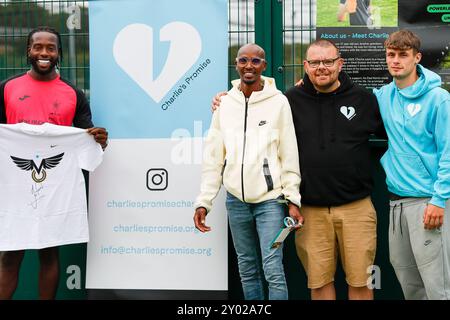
251, 147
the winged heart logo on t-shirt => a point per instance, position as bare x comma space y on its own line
30, 165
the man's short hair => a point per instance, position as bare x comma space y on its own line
324, 44
403, 40
260, 49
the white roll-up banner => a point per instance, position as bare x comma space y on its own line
154, 67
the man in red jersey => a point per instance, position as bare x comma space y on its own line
41, 96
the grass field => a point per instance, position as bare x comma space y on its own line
327, 13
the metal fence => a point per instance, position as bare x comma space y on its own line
283, 28
70, 18
298, 31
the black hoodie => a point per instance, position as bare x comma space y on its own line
333, 131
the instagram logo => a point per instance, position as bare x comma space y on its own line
157, 179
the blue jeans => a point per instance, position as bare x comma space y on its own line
254, 224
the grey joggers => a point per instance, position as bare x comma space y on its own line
420, 257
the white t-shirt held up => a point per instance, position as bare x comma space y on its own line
42, 188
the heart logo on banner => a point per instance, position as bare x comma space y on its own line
133, 52
348, 112
413, 109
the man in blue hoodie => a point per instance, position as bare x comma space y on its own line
416, 114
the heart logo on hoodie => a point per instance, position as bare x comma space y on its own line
348, 112
413, 109
133, 52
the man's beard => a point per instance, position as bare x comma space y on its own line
325, 86
249, 82
35, 66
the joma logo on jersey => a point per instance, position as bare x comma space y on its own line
38, 174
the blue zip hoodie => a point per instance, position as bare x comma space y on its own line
417, 122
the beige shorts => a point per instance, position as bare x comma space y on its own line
350, 229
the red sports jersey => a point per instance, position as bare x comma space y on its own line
35, 102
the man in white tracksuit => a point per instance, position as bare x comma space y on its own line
251, 147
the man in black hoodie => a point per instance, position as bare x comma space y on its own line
333, 120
